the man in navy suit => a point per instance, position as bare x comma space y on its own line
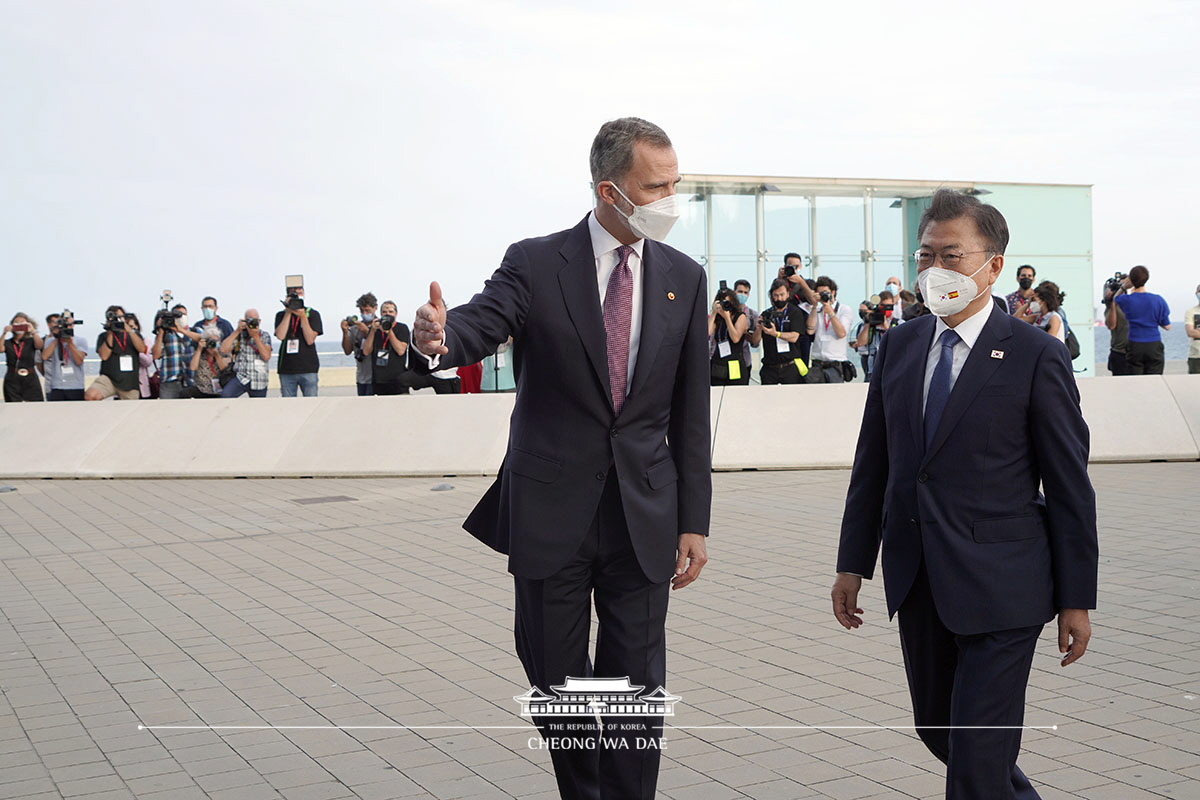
981, 414
605, 488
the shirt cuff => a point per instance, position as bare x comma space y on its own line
434, 359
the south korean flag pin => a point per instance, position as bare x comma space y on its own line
998, 354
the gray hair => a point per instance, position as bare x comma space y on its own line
612, 149
948, 204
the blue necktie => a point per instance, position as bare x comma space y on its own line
939, 386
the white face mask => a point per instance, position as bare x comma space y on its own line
183, 321
368, 317
1035, 307
653, 220
947, 292
894, 289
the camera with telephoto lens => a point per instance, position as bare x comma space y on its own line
1113, 284
352, 319
294, 301
386, 322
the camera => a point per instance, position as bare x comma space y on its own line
1113, 284
789, 270
294, 301
166, 319
65, 327
206, 343
112, 322
767, 317
352, 319
826, 296
253, 323
386, 322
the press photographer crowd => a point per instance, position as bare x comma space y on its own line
806, 335
215, 357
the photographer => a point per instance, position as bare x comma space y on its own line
1146, 312
828, 324
1118, 326
877, 315
206, 365
298, 327
21, 347
119, 348
785, 327
251, 353
727, 327
385, 348
1023, 295
172, 349
354, 330
212, 325
1191, 326
741, 290
62, 358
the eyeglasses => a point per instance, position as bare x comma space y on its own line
927, 258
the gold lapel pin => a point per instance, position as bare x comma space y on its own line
670, 295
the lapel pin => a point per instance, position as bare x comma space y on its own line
999, 354
670, 295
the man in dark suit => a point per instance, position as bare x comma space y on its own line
605, 487
981, 412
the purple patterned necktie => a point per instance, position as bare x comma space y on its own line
618, 314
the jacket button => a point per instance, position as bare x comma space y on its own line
600, 476
924, 476
613, 433
913, 521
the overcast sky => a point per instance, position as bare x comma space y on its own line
211, 147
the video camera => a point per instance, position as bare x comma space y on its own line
1113, 284
65, 327
294, 285
166, 319
877, 312
113, 323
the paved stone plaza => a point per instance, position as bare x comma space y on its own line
237, 603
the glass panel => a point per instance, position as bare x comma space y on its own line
734, 252
840, 244
688, 234
887, 232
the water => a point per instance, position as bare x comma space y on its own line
1175, 342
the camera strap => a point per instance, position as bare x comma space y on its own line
18, 348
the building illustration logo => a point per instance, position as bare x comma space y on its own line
608, 696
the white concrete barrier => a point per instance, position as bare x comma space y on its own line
756, 426
1131, 418
1137, 418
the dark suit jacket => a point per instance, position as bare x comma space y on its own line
999, 554
563, 436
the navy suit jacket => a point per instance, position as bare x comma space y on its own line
999, 553
563, 435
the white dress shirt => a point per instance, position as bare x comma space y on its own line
968, 332
604, 252
604, 249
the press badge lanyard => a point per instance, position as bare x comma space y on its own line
124, 341
18, 349
294, 328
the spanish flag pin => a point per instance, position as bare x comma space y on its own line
670, 295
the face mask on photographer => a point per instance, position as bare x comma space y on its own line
782, 304
209, 313
743, 298
367, 316
1035, 307
651, 221
894, 289
1025, 283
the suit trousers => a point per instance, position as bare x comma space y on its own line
553, 618
975, 680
